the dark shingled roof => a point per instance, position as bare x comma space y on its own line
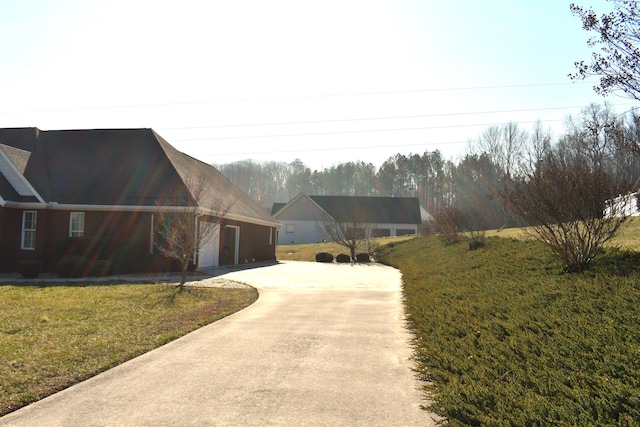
394, 210
277, 206
133, 167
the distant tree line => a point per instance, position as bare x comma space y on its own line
474, 183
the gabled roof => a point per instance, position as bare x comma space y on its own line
380, 210
277, 206
117, 167
222, 190
394, 210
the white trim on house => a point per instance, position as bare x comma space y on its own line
129, 208
19, 183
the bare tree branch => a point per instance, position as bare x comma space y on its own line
182, 231
351, 231
618, 36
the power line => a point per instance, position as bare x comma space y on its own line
273, 98
378, 118
307, 150
354, 131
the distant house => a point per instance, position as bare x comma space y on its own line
623, 205
302, 217
111, 184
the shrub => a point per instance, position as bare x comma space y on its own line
324, 257
363, 257
477, 240
564, 205
75, 266
100, 268
427, 228
126, 255
343, 258
29, 269
129, 257
449, 222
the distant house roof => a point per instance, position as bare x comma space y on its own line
116, 167
398, 210
277, 206
382, 210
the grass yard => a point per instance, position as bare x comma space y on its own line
54, 336
628, 236
307, 252
506, 338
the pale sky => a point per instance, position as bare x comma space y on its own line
323, 81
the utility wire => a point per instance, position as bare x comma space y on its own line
306, 150
378, 118
354, 131
335, 95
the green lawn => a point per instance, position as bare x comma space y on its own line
506, 338
54, 336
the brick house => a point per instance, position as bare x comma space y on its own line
111, 184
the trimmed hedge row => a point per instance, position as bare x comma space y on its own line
76, 266
106, 255
342, 258
324, 257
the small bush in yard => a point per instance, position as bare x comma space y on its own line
29, 269
324, 257
74, 266
363, 257
343, 258
477, 240
449, 223
100, 268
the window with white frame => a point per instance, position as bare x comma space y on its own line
76, 224
29, 220
291, 228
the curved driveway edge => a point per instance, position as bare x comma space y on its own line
324, 344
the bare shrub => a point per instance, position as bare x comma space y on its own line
449, 223
564, 204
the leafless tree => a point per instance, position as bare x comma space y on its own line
351, 230
538, 148
183, 230
617, 34
504, 145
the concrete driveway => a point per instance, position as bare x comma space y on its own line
323, 345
